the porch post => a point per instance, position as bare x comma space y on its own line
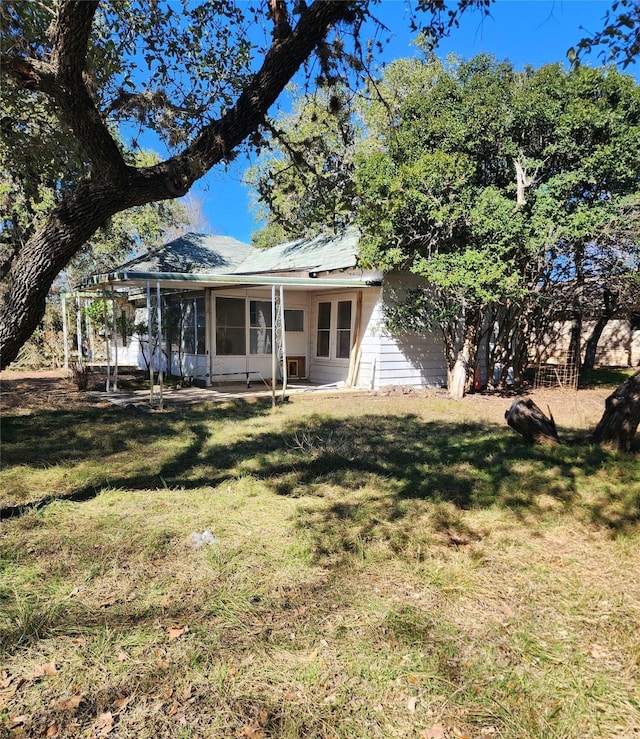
208, 325
107, 347
115, 338
65, 332
283, 344
159, 310
273, 346
79, 332
149, 329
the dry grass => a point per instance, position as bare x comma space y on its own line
382, 567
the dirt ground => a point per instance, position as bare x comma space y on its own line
26, 391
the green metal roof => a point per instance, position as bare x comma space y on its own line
221, 260
192, 253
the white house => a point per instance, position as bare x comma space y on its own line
224, 305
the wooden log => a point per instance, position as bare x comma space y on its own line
527, 419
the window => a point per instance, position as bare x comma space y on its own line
200, 325
333, 339
324, 329
260, 327
230, 326
293, 320
343, 335
184, 323
188, 327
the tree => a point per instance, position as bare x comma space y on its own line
304, 181
618, 40
505, 190
198, 76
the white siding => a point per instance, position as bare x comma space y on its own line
407, 358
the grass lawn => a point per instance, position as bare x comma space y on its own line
382, 567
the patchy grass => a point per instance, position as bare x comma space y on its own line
381, 567
609, 377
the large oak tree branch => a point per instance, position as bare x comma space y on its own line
113, 187
63, 78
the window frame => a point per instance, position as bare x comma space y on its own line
333, 331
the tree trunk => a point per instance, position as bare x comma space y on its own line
621, 417
591, 346
573, 355
527, 419
465, 359
610, 302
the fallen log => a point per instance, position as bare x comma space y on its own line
527, 419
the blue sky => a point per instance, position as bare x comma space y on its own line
532, 32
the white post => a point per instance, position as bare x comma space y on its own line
115, 339
65, 332
79, 332
107, 347
149, 327
273, 347
159, 312
284, 343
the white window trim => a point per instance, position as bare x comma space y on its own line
333, 327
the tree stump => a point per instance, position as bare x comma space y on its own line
621, 417
527, 419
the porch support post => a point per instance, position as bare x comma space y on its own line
79, 331
208, 333
115, 338
107, 346
159, 312
65, 332
149, 330
354, 354
284, 343
88, 327
273, 346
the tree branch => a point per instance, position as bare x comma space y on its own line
282, 60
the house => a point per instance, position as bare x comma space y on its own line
303, 310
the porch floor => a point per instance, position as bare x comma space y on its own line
173, 397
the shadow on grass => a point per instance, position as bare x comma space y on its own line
402, 458
48, 438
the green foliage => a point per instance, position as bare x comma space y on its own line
304, 181
496, 185
619, 39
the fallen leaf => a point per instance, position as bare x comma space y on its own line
69, 704
122, 656
52, 730
120, 703
16, 721
437, 731
176, 631
104, 724
175, 706
186, 693
411, 704
263, 717
250, 732
5, 680
49, 669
